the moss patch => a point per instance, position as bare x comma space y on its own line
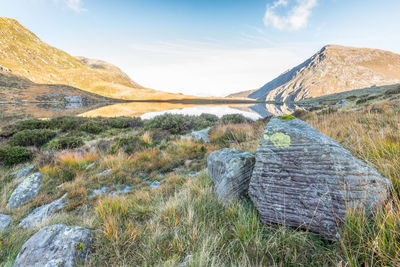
280, 140
287, 117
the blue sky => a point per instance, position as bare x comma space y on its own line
207, 47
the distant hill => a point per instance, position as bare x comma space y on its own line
14, 88
243, 94
22, 53
333, 69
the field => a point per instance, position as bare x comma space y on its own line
181, 220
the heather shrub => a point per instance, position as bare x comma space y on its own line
32, 137
235, 119
10, 155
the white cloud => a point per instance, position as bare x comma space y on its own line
295, 17
75, 5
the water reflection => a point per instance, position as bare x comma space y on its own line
150, 110
146, 110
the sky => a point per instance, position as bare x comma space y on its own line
207, 47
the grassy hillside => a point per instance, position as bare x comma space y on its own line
182, 219
25, 54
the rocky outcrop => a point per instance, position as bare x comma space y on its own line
230, 170
4, 221
305, 179
56, 245
24, 171
202, 135
25, 191
41, 214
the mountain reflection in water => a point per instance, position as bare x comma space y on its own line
150, 110
145, 110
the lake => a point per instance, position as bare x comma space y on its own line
145, 110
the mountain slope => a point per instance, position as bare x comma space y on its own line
332, 70
26, 55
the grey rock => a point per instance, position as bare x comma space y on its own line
56, 245
90, 166
105, 172
25, 191
24, 171
192, 174
305, 179
100, 191
186, 260
41, 214
230, 170
4, 221
155, 184
342, 103
124, 190
202, 135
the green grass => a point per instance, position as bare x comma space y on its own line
162, 226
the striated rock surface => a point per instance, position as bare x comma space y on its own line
230, 170
25, 191
305, 179
56, 245
4, 221
39, 215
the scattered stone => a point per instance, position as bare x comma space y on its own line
342, 103
5, 220
25, 191
90, 165
100, 191
56, 245
24, 171
155, 184
186, 260
192, 174
125, 190
104, 189
230, 170
305, 179
160, 175
202, 135
41, 214
105, 172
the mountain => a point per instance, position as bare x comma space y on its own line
242, 94
333, 69
23, 54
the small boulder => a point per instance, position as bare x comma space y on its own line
230, 170
202, 135
4, 221
56, 245
39, 215
25, 191
303, 178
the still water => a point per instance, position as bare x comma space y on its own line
146, 110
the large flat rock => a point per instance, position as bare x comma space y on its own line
305, 179
54, 246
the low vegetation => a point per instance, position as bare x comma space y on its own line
182, 219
